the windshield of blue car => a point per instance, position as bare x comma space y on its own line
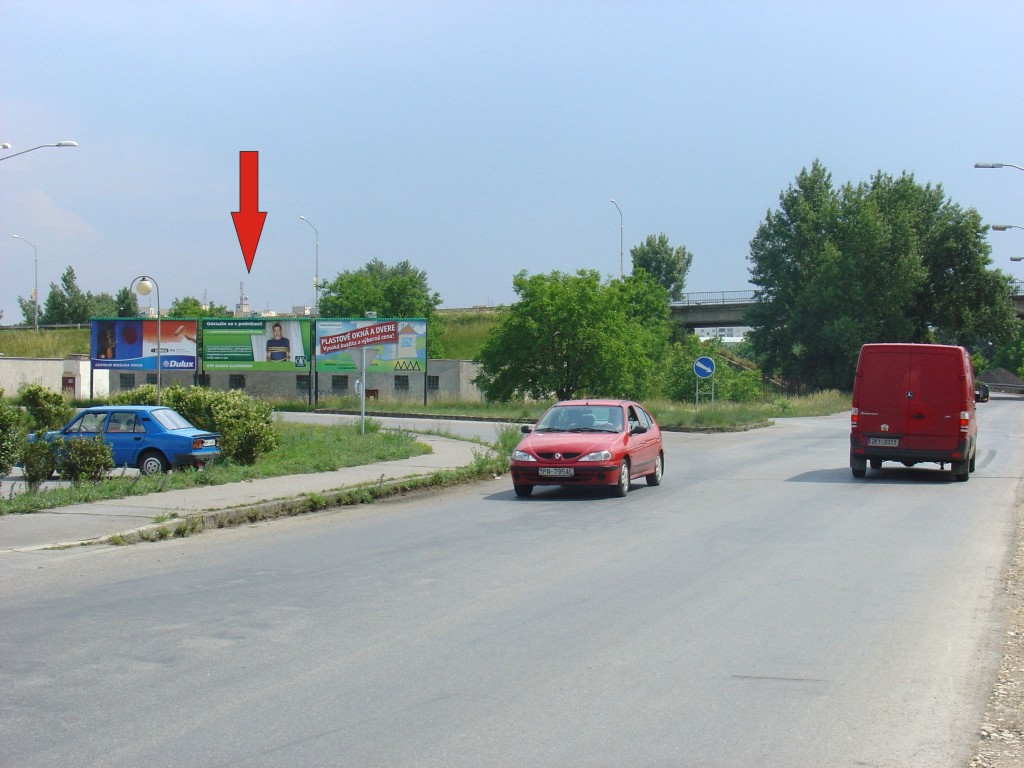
581, 418
171, 419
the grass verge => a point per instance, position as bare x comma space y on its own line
304, 448
669, 414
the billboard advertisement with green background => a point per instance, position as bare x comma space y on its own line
256, 344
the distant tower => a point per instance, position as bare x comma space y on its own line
242, 307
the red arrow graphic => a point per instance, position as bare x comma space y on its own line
249, 219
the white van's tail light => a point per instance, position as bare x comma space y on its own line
965, 421
854, 416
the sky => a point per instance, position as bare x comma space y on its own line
476, 139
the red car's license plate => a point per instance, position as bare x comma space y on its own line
555, 472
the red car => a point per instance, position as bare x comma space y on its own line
589, 442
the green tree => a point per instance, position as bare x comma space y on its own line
667, 265
885, 260
102, 305
127, 303
29, 310
401, 290
189, 306
66, 303
569, 336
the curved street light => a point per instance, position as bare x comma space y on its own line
35, 289
316, 274
1004, 227
998, 165
33, 149
621, 272
144, 285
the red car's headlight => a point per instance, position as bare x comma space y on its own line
522, 456
597, 456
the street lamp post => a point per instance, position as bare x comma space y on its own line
998, 165
621, 270
316, 274
35, 288
58, 144
144, 285
1004, 227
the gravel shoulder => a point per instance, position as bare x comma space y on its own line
1001, 734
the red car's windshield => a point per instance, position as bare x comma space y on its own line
582, 418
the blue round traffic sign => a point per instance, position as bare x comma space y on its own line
704, 367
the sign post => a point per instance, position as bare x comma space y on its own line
704, 368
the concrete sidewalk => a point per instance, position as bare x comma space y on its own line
218, 505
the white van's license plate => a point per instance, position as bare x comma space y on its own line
555, 471
884, 442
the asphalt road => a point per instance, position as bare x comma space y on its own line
760, 608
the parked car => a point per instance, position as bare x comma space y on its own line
589, 442
981, 392
914, 403
151, 438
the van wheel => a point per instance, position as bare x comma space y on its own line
961, 471
858, 466
876, 463
973, 459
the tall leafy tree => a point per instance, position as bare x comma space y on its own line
28, 309
400, 290
102, 305
884, 260
570, 335
127, 303
66, 303
667, 265
189, 306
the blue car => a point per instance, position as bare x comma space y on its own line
151, 438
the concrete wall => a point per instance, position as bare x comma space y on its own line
70, 375
453, 381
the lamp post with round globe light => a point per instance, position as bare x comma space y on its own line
145, 285
35, 288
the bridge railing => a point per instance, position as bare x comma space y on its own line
717, 297
747, 297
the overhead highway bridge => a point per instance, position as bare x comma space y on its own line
711, 309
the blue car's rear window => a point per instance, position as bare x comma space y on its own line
169, 419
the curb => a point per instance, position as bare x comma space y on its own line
197, 522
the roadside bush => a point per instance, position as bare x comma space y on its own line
740, 386
194, 403
48, 409
144, 395
84, 460
245, 424
39, 462
12, 438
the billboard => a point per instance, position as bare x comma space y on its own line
255, 344
391, 345
131, 344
